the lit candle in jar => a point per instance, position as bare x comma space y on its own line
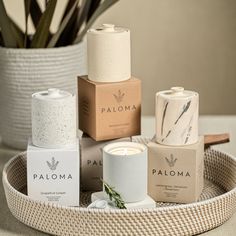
125, 169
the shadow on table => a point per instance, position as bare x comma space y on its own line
9, 225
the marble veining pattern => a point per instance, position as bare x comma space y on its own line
177, 121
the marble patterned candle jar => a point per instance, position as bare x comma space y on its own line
177, 117
125, 169
109, 54
53, 119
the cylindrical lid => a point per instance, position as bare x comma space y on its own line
177, 93
51, 94
109, 56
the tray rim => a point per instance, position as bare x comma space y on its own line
84, 209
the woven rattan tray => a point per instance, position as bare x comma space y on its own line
216, 205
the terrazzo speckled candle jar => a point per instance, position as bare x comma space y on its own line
53, 119
177, 117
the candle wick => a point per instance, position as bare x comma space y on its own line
125, 152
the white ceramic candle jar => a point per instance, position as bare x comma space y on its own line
53, 119
125, 169
109, 54
177, 117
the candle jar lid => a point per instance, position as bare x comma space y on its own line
52, 94
177, 93
108, 29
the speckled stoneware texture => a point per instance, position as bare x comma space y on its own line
177, 117
53, 119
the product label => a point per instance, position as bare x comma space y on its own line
173, 173
53, 175
171, 189
120, 106
109, 110
120, 110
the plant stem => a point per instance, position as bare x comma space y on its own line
114, 196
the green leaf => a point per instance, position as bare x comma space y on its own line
62, 26
35, 13
66, 37
5, 25
27, 8
27, 12
114, 196
69, 5
102, 8
94, 5
45, 3
83, 13
80, 19
42, 32
18, 34
1, 39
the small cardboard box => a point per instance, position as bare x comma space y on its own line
91, 162
109, 110
53, 174
175, 174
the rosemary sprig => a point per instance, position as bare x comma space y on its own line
114, 196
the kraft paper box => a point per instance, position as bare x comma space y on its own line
91, 162
109, 110
175, 174
53, 174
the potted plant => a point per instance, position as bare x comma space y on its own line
30, 63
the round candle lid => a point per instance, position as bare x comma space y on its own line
177, 93
52, 94
108, 29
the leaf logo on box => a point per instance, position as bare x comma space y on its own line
119, 96
53, 164
171, 161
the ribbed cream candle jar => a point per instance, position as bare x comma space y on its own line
177, 117
125, 169
109, 57
53, 119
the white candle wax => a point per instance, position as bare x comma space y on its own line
125, 151
125, 169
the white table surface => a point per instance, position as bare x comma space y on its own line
208, 125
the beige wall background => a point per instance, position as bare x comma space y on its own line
189, 43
